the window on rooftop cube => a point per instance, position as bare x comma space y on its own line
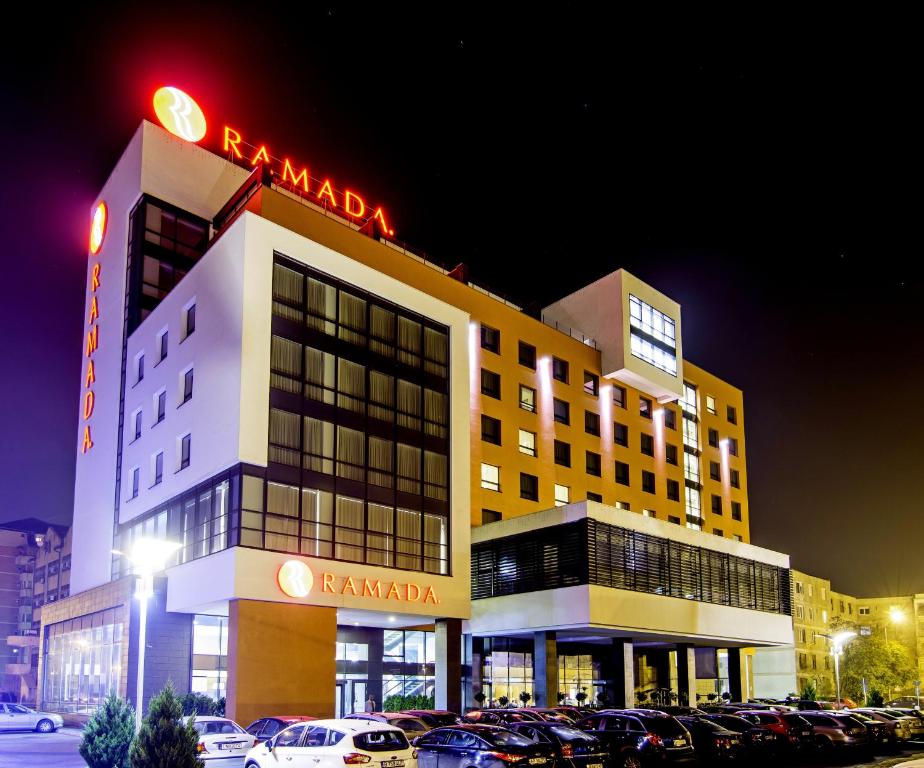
560, 369
591, 383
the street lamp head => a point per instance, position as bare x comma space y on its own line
150, 555
896, 615
841, 638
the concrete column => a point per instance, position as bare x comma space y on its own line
736, 670
472, 663
448, 684
686, 675
281, 658
545, 669
623, 674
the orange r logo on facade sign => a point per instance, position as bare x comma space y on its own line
295, 578
179, 114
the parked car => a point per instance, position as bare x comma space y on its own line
634, 737
915, 720
903, 702
713, 743
16, 717
500, 716
480, 746
412, 726
333, 744
675, 711
221, 739
837, 732
756, 741
792, 732
575, 713
574, 748
882, 734
267, 727
434, 717
551, 714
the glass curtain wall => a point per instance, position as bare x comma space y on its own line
210, 655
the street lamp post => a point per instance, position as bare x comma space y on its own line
148, 556
837, 644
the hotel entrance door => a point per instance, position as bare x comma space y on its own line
351, 697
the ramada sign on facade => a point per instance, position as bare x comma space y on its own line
295, 579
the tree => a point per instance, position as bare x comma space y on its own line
525, 696
503, 701
165, 740
885, 665
875, 698
108, 734
581, 696
809, 692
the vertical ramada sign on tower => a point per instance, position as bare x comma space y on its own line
88, 398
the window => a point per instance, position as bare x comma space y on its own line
529, 487
670, 418
136, 481
718, 532
622, 473
736, 510
673, 519
187, 385
592, 462
527, 355
591, 383
562, 411
190, 320
647, 444
527, 398
733, 446
620, 434
560, 369
527, 442
562, 453
670, 454
594, 497
185, 445
158, 467
714, 471
714, 438
652, 335
490, 477
490, 430
489, 516
648, 481
644, 407
863, 611
673, 490
162, 346
139, 368
619, 396
716, 505
490, 339
591, 423
710, 404
562, 495
731, 414
735, 478
136, 419
160, 400
490, 383
649, 513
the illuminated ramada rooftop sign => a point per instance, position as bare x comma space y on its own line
179, 114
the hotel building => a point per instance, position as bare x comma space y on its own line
470, 498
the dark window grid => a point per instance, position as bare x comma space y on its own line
490, 383
648, 481
621, 434
592, 463
646, 443
560, 370
562, 411
363, 338
187, 386
490, 430
606, 555
185, 450
591, 423
526, 355
190, 320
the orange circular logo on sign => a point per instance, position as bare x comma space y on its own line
179, 114
295, 578
98, 227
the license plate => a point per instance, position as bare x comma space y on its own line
393, 764
595, 765
537, 761
235, 745
680, 742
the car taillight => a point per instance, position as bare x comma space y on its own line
507, 757
356, 758
567, 750
653, 739
414, 753
200, 748
856, 731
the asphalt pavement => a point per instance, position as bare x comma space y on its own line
48, 750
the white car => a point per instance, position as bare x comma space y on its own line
16, 717
221, 739
334, 744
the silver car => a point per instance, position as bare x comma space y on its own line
16, 717
222, 740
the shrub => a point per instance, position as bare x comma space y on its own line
397, 703
875, 698
525, 696
165, 740
480, 698
200, 704
108, 734
503, 701
809, 692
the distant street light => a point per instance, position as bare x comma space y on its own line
896, 616
837, 645
148, 556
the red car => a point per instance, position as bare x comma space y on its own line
267, 727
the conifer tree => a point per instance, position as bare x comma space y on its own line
166, 740
108, 734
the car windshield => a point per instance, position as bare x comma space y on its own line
567, 733
212, 727
380, 741
663, 726
505, 739
706, 725
797, 721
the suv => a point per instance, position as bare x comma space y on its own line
791, 731
835, 731
635, 736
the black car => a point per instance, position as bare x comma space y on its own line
500, 716
713, 743
574, 748
756, 741
634, 737
480, 746
434, 717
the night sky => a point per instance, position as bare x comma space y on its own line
764, 172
